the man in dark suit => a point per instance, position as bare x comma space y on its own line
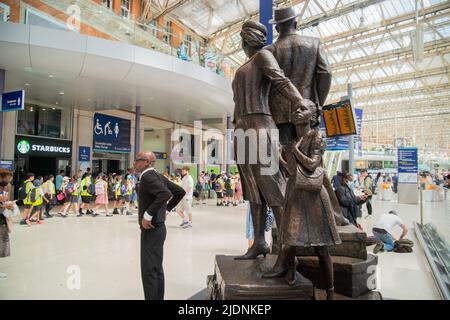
156, 196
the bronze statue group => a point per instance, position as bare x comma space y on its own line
283, 87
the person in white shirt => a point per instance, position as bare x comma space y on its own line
185, 206
382, 230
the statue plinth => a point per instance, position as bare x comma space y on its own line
242, 280
352, 277
353, 244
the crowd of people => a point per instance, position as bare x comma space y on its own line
81, 194
225, 188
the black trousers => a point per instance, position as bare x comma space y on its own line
369, 206
152, 247
48, 205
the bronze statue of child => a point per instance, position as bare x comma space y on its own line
308, 212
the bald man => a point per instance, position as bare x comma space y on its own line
156, 196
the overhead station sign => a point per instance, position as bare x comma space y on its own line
339, 119
111, 134
13, 101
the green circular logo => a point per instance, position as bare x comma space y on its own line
23, 146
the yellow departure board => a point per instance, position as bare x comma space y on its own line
339, 119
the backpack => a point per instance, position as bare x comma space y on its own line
23, 192
373, 185
218, 186
33, 194
402, 248
70, 187
91, 187
123, 190
199, 186
227, 184
99, 188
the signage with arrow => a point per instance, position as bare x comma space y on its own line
13, 101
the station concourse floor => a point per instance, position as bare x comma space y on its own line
106, 250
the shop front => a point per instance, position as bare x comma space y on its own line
111, 144
42, 156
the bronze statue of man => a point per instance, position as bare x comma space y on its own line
303, 61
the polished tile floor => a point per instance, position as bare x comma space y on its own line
98, 258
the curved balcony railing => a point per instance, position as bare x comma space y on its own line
88, 17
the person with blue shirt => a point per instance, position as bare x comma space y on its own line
59, 180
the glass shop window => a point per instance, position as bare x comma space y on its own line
51, 122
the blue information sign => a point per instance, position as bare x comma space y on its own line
7, 164
408, 166
13, 101
111, 134
84, 154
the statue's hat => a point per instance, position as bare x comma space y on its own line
283, 15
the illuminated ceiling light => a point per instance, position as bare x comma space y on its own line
50, 76
27, 84
61, 93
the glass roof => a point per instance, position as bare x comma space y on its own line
374, 44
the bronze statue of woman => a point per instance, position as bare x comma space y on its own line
251, 87
308, 214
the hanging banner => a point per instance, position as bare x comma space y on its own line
408, 166
111, 134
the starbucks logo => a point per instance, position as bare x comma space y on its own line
23, 146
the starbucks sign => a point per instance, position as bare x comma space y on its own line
23, 146
36, 146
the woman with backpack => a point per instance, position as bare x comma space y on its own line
71, 191
101, 191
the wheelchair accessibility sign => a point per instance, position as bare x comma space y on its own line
111, 134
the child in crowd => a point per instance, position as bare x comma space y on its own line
238, 190
219, 188
49, 195
126, 192
71, 191
37, 196
117, 194
101, 190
